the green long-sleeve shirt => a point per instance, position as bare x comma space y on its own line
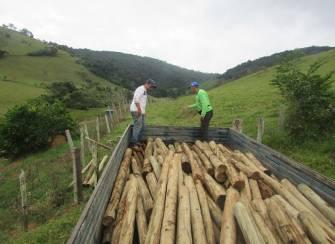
202, 103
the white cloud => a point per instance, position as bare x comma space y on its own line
211, 35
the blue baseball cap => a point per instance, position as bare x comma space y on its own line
194, 84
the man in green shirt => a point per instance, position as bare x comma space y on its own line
204, 108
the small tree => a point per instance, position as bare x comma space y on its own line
29, 127
309, 97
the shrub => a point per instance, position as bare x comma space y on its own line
29, 127
48, 51
3, 53
309, 97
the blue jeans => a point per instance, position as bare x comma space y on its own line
138, 122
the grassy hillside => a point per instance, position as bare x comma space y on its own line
23, 77
248, 98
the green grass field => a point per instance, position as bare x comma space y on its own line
248, 98
23, 77
52, 214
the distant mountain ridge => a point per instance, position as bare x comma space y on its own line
130, 70
258, 64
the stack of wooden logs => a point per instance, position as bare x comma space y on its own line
208, 193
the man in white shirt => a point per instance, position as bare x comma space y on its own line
137, 108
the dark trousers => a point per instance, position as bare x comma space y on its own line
204, 125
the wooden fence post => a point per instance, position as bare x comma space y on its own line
237, 125
116, 113
120, 110
260, 129
107, 124
110, 116
87, 135
98, 129
82, 145
24, 205
77, 186
69, 139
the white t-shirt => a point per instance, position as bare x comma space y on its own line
140, 96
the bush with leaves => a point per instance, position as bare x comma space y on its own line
310, 99
30, 127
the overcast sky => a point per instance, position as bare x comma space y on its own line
205, 35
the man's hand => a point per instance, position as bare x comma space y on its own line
139, 112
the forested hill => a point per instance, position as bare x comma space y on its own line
253, 66
130, 70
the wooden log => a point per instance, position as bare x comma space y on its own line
208, 224
264, 229
99, 143
127, 229
259, 206
160, 160
245, 221
178, 147
146, 167
161, 145
244, 159
258, 164
184, 232
148, 203
141, 221
216, 233
86, 168
287, 195
217, 192
250, 172
196, 171
117, 224
170, 211
149, 148
117, 189
171, 147
98, 129
226, 152
215, 211
205, 161
198, 229
198, 160
102, 164
265, 190
286, 228
291, 211
152, 184
228, 229
245, 192
313, 229
140, 155
135, 167
297, 193
321, 204
139, 162
219, 168
155, 224
155, 166
185, 164
234, 178
255, 191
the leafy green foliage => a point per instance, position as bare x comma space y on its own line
48, 51
29, 127
3, 53
309, 97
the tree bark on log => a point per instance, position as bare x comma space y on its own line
246, 192
198, 229
184, 232
146, 167
245, 221
152, 184
127, 230
216, 190
196, 172
314, 231
170, 210
215, 211
208, 223
207, 164
141, 221
321, 204
228, 229
118, 187
148, 203
155, 224
251, 173
155, 166
255, 191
